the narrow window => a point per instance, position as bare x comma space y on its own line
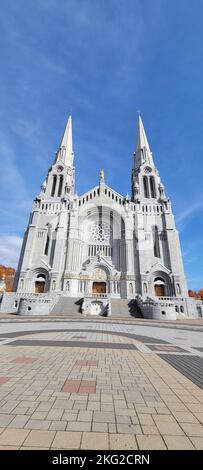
46, 250
146, 186
152, 187
156, 242
60, 185
53, 186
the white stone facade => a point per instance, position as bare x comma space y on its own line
101, 242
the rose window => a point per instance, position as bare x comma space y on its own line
100, 232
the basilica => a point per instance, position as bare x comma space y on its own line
102, 253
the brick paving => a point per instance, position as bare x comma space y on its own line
98, 396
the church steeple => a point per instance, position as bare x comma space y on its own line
65, 152
143, 153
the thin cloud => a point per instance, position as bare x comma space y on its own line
188, 213
10, 246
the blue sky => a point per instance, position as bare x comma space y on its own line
102, 60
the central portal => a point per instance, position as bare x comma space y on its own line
99, 288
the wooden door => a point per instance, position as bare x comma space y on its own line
39, 287
159, 291
99, 288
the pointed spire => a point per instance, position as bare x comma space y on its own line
142, 141
143, 153
65, 152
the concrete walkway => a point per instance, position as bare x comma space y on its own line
100, 385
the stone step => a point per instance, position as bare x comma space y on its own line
120, 308
67, 306
125, 307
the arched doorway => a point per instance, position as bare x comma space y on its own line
40, 284
99, 288
99, 277
159, 287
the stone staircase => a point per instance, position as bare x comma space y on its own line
71, 307
125, 308
67, 307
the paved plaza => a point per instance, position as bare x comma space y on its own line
100, 384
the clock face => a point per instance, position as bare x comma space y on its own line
59, 169
148, 169
70, 172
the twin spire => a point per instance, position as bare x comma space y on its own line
65, 152
142, 155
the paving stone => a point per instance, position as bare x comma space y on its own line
150, 442
18, 422
79, 406
94, 440
69, 416
197, 442
67, 440
164, 418
58, 426
93, 405
183, 417
103, 417
145, 419
178, 442
9, 407
39, 439
145, 409
3, 380
168, 428
122, 441
39, 415
5, 419
78, 426
191, 429
85, 416
128, 429
55, 414
149, 429
112, 428
37, 424
100, 427
107, 407
66, 404
13, 437
9, 447
44, 406
123, 419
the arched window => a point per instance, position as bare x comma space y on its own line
53, 185
130, 288
177, 308
60, 185
21, 284
178, 289
54, 285
152, 187
67, 286
146, 186
145, 288
182, 309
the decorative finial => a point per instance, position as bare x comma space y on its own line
101, 175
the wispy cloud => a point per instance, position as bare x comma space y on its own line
10, 246
188, 214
